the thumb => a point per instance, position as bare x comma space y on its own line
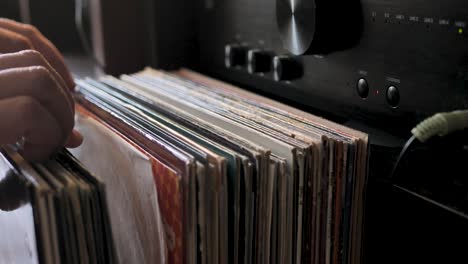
75, 140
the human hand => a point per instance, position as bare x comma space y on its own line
35, 96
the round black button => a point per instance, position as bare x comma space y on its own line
393, 96
363, 88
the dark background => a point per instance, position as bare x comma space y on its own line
9, 9
118, 36
54, 18
123, 35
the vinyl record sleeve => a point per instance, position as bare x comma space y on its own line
76, 211
103, 240
253, 152
312, 224
132, 195
60, 218
216, 172
279, 147
297, 181
61, 203
360, 139
336, 227
41, 192
247, 116
17, 219
89, 200
177, 186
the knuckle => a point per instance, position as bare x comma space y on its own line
30, 29
50, 94
34, 57
30, 53
41, 76
22, 43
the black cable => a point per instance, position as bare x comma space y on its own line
404, 152
432, 201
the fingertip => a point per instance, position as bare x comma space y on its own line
62, 69
75, 140
71, 85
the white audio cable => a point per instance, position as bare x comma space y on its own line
441, 124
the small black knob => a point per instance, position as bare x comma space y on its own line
235, 55
287, 68
393, 96
258, 61
363, 88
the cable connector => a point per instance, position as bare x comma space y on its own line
441, 124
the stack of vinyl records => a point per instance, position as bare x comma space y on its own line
199, 171
52, 213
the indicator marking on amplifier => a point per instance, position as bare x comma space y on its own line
444, 22
400, 17
460, 31
460, 24
429, 20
